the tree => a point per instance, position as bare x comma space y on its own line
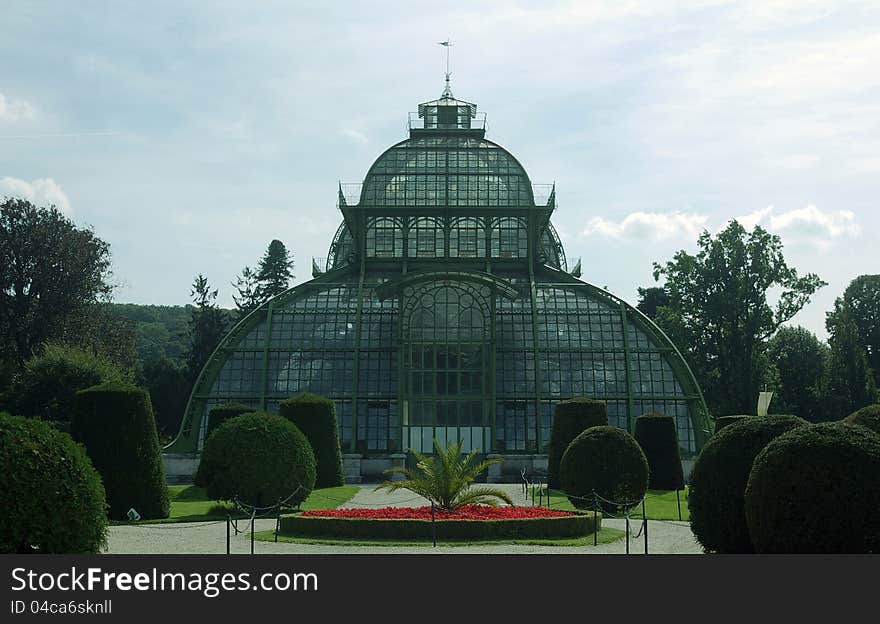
274, 271
207, 325
862, 299
169, 386
797, 368
51, 275
247, 287
719, 313
650, 299
849, 384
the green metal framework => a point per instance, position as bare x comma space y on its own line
446, 310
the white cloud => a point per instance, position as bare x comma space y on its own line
15, 110
355, 135
648, 225
42, 191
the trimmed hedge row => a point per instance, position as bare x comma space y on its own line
868, 416
816, 489
716, 497
53, 499
576, 525
657, 435
315, 416
220, 414
606, 461
259, 458
570, 418
115, 422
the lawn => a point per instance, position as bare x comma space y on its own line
190, 503
606, 536
659, 505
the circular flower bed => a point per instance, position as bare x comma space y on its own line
476, 522
467, 512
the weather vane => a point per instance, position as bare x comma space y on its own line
447, 92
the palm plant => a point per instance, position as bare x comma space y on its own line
445, 478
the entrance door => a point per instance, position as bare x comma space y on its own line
446, 360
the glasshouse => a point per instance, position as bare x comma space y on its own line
446, 309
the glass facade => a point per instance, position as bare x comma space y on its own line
447, 312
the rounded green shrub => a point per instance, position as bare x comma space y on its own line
723, 421
257, 458
315, 416
48, 383
658, 437
218, 415
816, 489
718, 481
569, 419
115, 423
53, 499
606, 461
868, 416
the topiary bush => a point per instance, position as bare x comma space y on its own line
722, 421
53, 499
259, 458
718, 481
315, 416
658, 437
569, 419
605, 460
816, 489
218, 415
868, 416
48, 383
115, 423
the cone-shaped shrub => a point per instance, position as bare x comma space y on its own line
606, 461
716, 497
868, 416
816, 489
570, 418
259, 458
315, 416
53, 499
218, 415
657, 435
115, 422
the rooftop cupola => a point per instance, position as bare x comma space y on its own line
448, 115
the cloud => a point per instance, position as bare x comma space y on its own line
355, 135
648, 225
15, 110
42, 191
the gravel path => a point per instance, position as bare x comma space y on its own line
665, 537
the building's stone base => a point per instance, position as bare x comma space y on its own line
180, 468
510, 470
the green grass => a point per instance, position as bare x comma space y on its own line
659, 505
606, 536
190, 503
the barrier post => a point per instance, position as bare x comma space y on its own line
627, 532
678, 500
433, 526
595, 519
253, 521
645, 526
228, 522
277, 518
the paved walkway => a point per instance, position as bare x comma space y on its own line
210, 537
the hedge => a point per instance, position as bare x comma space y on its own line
315, 416
575, 525
657, 435
816, 489
258, 458
115, 423
723, 421
218, 415
569, 419
716, 496
53, 499
868, 416
605, 460
47, 385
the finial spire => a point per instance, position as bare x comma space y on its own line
447, 90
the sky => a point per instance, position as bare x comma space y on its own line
189, 135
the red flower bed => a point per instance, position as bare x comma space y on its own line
468, 512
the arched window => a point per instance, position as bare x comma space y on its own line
467, 238
509, 238
425, 238
384, 238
